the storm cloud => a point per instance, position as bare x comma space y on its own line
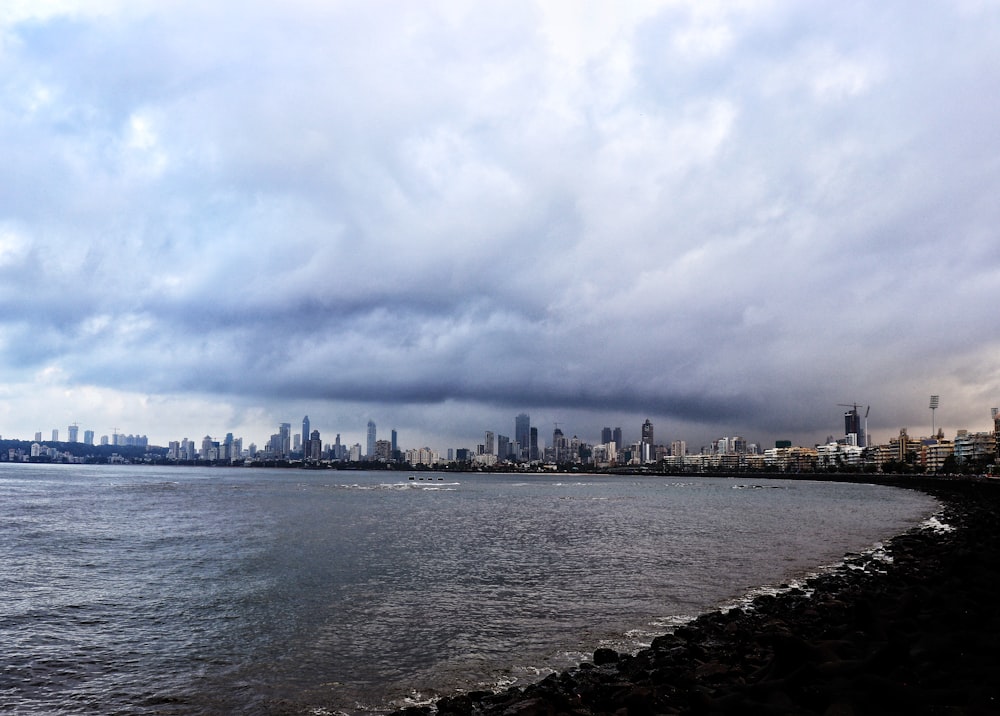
726, 217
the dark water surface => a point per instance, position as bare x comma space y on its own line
188, 590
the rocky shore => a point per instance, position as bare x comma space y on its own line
914, 632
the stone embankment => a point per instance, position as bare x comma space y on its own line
918, 633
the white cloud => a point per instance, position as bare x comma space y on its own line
14, 246
461, 208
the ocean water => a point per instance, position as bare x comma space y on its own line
147, 590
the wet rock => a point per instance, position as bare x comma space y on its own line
605, 656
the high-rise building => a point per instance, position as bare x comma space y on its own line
647, 452
647, 432
208, 451
533, 444
560, 446
522, 436
393, 440
371, 440
88, 437
314, 448
503, 447
852, 426
489, 443
55, 435
285, 438
74, 433
606, 436
306, 435
996, 430
383, 451
616, 434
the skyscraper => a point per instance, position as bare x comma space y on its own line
606, 436
306, 436
522, 436
314, 448
533, 444
648, 454
73, 432
285, 439
489, 442
371, 440
617, 435
503, 447
852, 426
560, 446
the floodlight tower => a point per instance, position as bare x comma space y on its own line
934, 404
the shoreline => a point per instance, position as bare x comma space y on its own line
915, 633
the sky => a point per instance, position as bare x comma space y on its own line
727, 217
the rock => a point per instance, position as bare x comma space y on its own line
605, 656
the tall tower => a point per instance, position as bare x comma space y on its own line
73, 432
560, 447
648, 454
852, 422
489, 442
371, 440
617, 435
395, 443
606, 435
522, 435
935, 402
285, 439
306, 436
533, 444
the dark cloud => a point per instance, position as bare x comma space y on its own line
727, 219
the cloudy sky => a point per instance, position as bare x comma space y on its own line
726, 217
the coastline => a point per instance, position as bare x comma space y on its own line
914, 633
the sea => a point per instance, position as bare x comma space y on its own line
189, 590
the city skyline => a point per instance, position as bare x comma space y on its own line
285, 442
726, 218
